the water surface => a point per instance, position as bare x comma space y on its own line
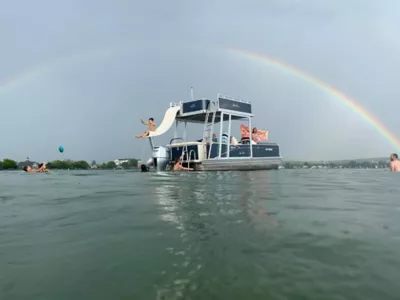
288, 234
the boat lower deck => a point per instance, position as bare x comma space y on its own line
242, 164
262, 156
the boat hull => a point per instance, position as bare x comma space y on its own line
243, 164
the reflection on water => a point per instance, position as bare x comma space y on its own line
203, 207
299, 234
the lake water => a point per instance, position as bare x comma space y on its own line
288, 234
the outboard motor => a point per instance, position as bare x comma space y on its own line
149, 162
161, 156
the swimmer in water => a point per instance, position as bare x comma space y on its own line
394, 163
42, 168
152, 127
178, 164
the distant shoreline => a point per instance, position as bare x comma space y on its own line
126, 164
132, 164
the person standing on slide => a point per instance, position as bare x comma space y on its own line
152, 127
394, 163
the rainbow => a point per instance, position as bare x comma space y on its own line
346, 100
58, 63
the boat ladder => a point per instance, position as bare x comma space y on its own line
208, 127
188, 156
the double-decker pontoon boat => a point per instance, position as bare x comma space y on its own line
208, 153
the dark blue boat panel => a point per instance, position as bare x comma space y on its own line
194, 106
192, 149
215, 150
260, 150
234, 105
270, 150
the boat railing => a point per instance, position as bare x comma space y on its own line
170, 142
232, 98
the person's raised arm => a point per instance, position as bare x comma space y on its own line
143, 122
43, 167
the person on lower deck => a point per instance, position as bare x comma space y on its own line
394, 163
256, 136
259, 135
152, 127
178, 164
224, 138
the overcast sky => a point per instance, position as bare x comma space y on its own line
82, 73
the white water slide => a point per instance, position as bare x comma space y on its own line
167, 122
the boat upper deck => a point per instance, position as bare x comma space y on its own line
195, 111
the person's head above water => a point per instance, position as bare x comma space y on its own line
394, 156
151, 120
27, 168
144, 168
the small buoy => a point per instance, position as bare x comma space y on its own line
61, 149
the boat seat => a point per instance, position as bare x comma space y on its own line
234, 141
246, 141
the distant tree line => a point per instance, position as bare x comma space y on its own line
352, 164
65, 164
9, 164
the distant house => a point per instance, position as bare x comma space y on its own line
32, 164
119, 162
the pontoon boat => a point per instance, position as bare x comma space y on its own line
208, 154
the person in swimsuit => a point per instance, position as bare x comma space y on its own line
40, 169
394, 163
152, 127
178, 164
258, 135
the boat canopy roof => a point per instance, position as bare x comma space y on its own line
195, 111
201, 118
